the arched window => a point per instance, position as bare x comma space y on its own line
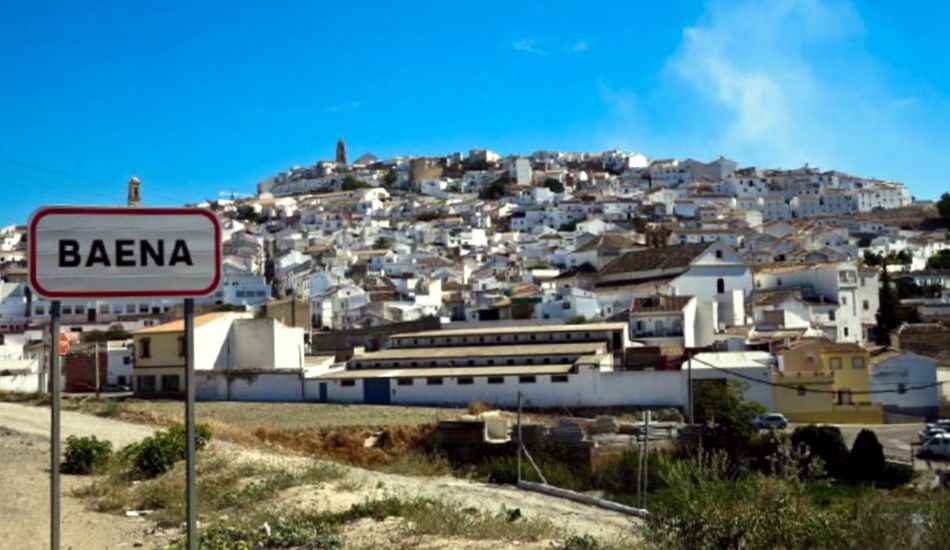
720, 285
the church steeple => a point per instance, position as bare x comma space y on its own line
341, 152
135, 192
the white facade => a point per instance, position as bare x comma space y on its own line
901, 371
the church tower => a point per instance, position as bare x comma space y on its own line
341, 152
135, 192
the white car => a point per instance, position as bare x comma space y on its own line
929, 432
937, 446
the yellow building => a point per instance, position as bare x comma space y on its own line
160, 351
824, 381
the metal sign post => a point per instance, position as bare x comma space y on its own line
103, 253
191, 490
54, 457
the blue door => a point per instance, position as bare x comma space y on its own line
323, 392
376, 391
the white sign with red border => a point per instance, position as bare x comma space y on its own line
82, 252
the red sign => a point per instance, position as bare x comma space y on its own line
124, 252
63, 343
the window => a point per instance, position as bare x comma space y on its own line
801, 391
857, 362
526, 380
496, 379
145, 347
146, 384
846, 331
348, 383
834, 363
901, 388
170, 383
718, 254
466, 381
104, 308
559, 378
130, 308
720, 286
40, 310
434, 381
831, 315
865, 305
844, 300
127, 360
404, 382
67, 310
120, 380
181, 346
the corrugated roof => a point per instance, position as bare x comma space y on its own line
520, 329
436, 372
580, 348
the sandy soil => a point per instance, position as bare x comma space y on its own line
24, 461
24, 476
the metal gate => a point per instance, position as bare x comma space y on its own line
376, 391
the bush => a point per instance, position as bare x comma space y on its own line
85, 455
866, 460
619, 477
825, 443
504, 471
155, 455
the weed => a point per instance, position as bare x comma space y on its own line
85, 455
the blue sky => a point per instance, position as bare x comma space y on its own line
202, 97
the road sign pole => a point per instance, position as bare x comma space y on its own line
54, 427
192, 497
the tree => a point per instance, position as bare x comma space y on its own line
890, 314
872, 259
115, 332
825, 443
351, 182
494, 190
723, 404
390, 178
554, 185
940, 260
943, 206
866, 460
570, 226
382, 243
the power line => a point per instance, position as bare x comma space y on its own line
801, 388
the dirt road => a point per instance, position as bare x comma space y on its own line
31, 508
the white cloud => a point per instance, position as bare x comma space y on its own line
580, 46
527, 45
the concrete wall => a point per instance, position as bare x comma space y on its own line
910, 370
282, 387
21, 376
588, 388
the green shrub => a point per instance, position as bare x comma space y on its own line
504, 471
85, 455
619, 477
866, 460
825, 443
581, 542
155, 455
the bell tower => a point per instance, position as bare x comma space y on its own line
135, 192
341, 152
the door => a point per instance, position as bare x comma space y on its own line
376, 391
323, 392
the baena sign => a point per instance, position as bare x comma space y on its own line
124, 252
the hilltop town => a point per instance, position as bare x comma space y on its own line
581, 279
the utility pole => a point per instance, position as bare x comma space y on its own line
55, 443
98, 384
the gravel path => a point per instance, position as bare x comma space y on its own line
32, 420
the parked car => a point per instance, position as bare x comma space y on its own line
929, 432
771, 420
943, 424
937, 446
115, 388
